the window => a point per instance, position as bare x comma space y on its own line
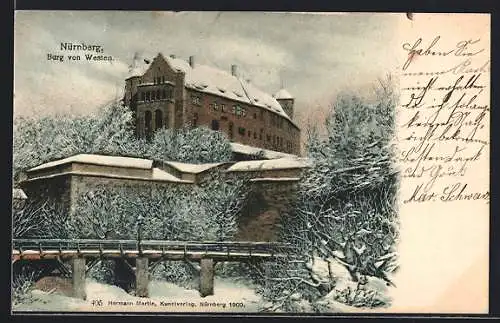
255, 115
261, 135
249, 133
147, 124
143, 96
163, 94
223, 107
231, 134
169, 92
241, 131
158, 119
163, 79
157, 94
215, 124
254, 135
153, 95
196, 100
195, 120
239, 111
148, 96
268, 137
215, 106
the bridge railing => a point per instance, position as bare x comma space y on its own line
159, 245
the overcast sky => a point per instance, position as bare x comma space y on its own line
314, 55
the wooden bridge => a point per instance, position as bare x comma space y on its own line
135, 257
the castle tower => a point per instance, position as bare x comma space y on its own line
286, 100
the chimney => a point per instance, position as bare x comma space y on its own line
191, 61
234, 70
172, 55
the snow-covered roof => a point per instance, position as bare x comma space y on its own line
151, 173
192, 168
219, 82
161, 175
137, 70
272, 164
215, 81
18, 194
157, 175
250, 150
116, 161
283, 94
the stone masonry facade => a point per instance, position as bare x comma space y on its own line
271, 195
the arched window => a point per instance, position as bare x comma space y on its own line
147, 124
215, 124
157, 94
164, 94
231, 130
195, 119
158, 119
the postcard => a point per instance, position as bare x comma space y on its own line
250, 162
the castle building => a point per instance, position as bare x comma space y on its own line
173, 93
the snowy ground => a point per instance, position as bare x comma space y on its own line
230, 296
374, 285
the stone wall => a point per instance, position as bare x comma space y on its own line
271, 196
269, 201
65, 189
81, 184
56, 188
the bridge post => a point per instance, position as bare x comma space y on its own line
141, 277
78, 277
206, 277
